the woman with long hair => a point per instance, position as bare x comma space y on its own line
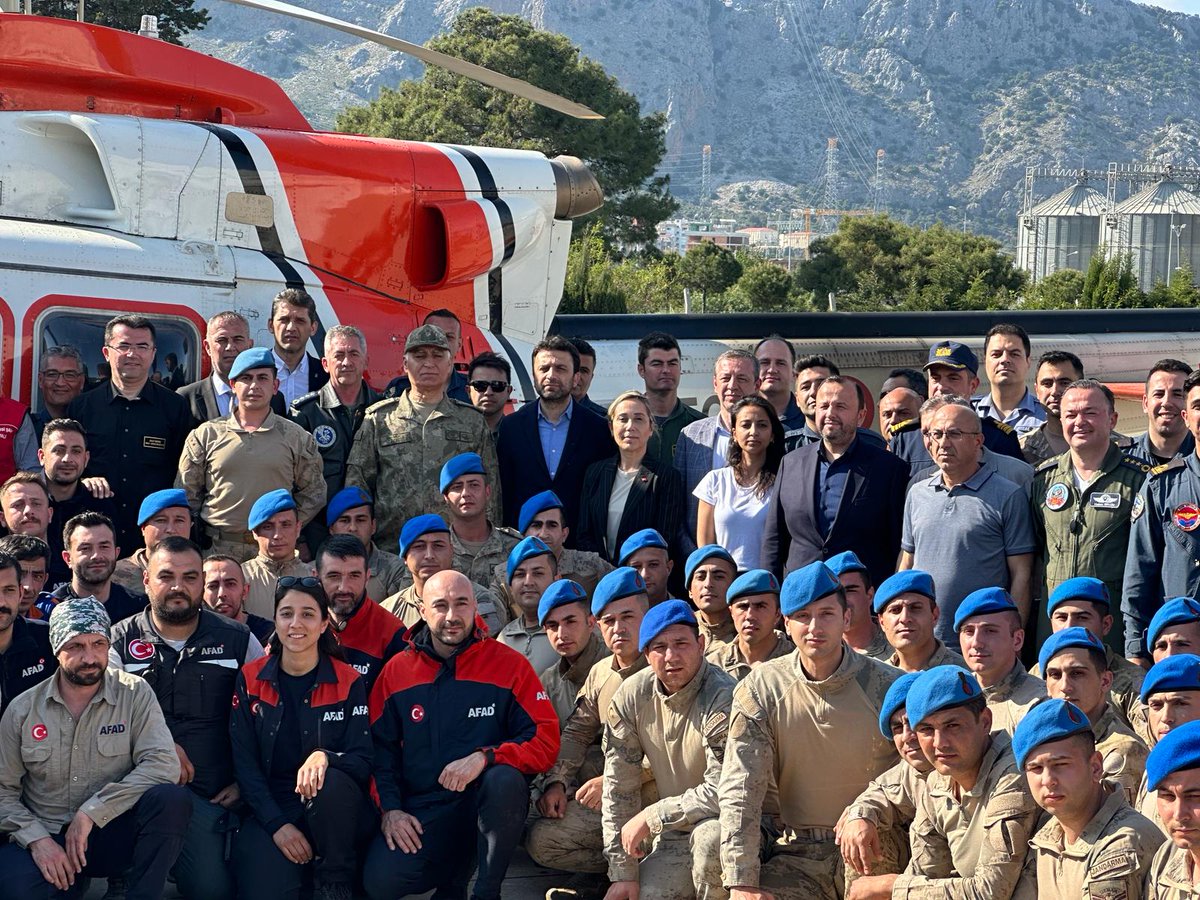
734, 499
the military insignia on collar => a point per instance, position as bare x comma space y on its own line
1057, 496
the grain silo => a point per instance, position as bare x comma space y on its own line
1159, 227
1061, 232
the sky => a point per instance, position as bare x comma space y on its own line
1187, 6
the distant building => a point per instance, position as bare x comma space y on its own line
677, 235
761, 237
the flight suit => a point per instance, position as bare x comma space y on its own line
729, 657
682, 737
1124, 753
890, 804
403, 605
563, 680
972, 844
942, 656
494, 552
782, 722
1038, 446
261, 574
1012, 697
716, 636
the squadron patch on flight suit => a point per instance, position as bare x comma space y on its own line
1057, 496
1186, 517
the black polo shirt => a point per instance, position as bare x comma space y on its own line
27, 661
120, 604
64, 511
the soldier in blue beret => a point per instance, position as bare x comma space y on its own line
1171, 697
648, 552
542, 516
1173, 775
162, 514
276, 529
754, 607
352, 511
530, 570
863, 632
1175, 628
906, 604
707, 575
564, 613
479, 544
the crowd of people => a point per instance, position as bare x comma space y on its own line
278, 633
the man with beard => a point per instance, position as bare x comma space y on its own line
91, 554
25, 657
225, 591
162, 514
33, 556
87, 773
25, 504
1057, 370
64, 457
190, 656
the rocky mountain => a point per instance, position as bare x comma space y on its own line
960, 94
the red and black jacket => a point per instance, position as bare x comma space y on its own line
427, 712
370, 638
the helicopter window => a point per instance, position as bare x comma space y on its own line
176, 360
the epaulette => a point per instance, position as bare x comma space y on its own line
1000, 426
469, 406
901, 427
1135, 462
509, 532
1123, 441
306, 398
1176, 463
1046, 466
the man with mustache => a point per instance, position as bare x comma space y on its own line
33, 556
91, 554
25, 657
225, 592
25, 504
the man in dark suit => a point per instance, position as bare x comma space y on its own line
548, 445
227, 335
839, 494
293, 324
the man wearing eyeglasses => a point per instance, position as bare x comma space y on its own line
60, 380
489, 386
135, 427
967, 525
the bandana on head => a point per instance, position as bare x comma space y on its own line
76, 616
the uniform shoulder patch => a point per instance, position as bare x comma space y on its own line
509, 532
1176, 463
305, 399
1001, 427
1048, 465
1135, 462
715, 724
900, 427
1118, 862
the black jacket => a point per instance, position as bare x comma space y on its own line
656, 500
27, 661
202, 400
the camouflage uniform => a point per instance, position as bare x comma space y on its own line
972, 844
1012, 697
261, 573
564, 679
1039, 446
389, 575
403, 605
398, 460
890, 804
717, 636
583, 566
129, 571
493, 553
1170, 874
1124, 754
1125, 693
1147, 804
879, 648
782, 722
942, 656
682, 737
729, 657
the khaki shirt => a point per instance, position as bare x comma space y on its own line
890, 800
1125, 692
565, 678
731, 659
52, 766
403, 605
129, 571
1012, 697
480, 566
973, 845
942, 656
581, 566
388, 574
261, 573
1170, 875
682, 737
1147, 804
398, 459
782, 722
1124, 753
530, 641
879, 648
224, 468
718, 636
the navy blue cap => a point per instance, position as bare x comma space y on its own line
1075, 636
538, 503
910, 581
1179, 611
560, 593
954, 355
458, 466
346, 499
806, 585
160, 500
527, 548
701, 555
254, 358
1093, 590
419, 526
1179, 749
941, 687
640, 540
616, 585
846, 561
1049, 720
895, 698
982, 602
1180, 672
664, 615
267, 505
756, 581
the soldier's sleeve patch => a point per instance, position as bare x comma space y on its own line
1110, 865
716, 724
1108, 889
1139, 507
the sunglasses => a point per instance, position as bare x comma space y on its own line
290, 581
481, 387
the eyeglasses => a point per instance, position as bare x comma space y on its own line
55, 375
140, 349
481, 387
950, 434
291, 581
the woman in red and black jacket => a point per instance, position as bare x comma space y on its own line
302, 754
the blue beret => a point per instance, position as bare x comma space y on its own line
616, 585
981, 603
664, 615
941, 687
910, 581
1081, 587
805, 586
458, 466
846, 561
895, 698
267, 505
952, 354
527, 548
1179, 611
640, 540
700, 556
560, 593
1179, 749
1180, 672
254, 358
346, 499
1064, 640
1049, 720
756, 581
160, 500
538, 503
419, 526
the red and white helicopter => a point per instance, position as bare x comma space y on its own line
137, 175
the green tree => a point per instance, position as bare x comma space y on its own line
1111, 284
764, 287
708, 269
1058, 290
176, 18
622, 151
589, 286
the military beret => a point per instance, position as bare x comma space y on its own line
941, 687
981, 603
538, 503
805, 586
254, 358
664, 615
419, 526
756, 581
160, 500
1065, 640
952, 354
560, 593
527, 548
846, 561
1179, 611
1179, 749
640, 540
910, 581
700, 556
616, 585
1093, 590
346, 499
458, 466
1049, 720
895, 698
267, 505
1180, 672
426, 336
